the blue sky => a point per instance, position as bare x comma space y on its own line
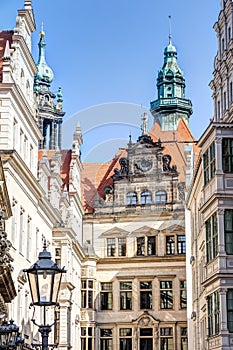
106, 51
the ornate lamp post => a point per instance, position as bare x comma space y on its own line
10, 338
45, 280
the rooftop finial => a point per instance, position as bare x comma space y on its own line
27, 4
170, 30
144, 125
42, 30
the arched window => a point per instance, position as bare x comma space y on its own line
160, 197
131, 198
146, 197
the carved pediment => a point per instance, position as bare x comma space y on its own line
172, 227
114, 232
145, 230
146, 320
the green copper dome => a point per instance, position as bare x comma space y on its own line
45, 73
171, 104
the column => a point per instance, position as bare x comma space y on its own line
59, 135
55, 135
221, 236
223, 309
51, 143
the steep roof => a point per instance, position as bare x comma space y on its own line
4, 36
174, 143
96, 176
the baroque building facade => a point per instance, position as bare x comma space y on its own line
134, 295
210, 205
43, 187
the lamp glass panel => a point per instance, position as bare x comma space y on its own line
56, 287
32, 277
45, 280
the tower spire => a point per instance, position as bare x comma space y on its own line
44, 76
171, 104
170, 30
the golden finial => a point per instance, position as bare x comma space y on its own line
42, 30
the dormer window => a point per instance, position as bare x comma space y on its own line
131, 198
160, 197
146, 198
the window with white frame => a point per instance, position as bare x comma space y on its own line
146, 295
146, 246
166, 338
106, 339
131, 198
166, 295
125, 335
106, 296
209, 163
87, 293
161, 197
211, 226
87, 338
125, 295
213, 313
146, 198
116, 246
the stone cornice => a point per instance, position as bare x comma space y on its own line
25, 52
20, 101
29, 184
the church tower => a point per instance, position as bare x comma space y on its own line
171, 105
49, 113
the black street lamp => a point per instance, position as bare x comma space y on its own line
10, 338
45, 280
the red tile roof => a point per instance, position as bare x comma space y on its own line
95, 176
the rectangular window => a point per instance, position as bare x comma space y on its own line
224, 101
230, 310
126, 295
140, 246
211, 226
166, 295
227, 155
146, 295
170, 245
183, 294
122, 246
213, 313
57, 327
111, 247
166, 339
106, 296
106, 339
87, 294
28, 238
218, 110
151, 248
228, 229
231, 92
86, 338
184, 338
125, 338
181, 244
146, 338
209, 163
58, 256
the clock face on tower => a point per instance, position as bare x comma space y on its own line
144, 164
